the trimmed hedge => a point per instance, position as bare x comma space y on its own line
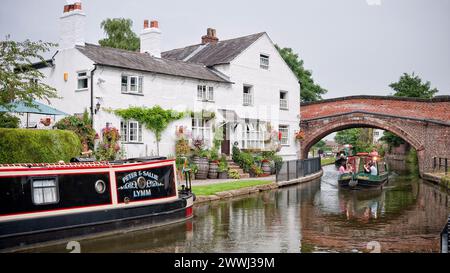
38, 146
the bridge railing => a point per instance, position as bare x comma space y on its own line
440, 163
293, 169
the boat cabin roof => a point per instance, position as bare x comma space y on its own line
83, 163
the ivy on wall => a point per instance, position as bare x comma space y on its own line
155, 119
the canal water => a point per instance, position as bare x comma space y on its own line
406, 216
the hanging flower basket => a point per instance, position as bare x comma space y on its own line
299, 135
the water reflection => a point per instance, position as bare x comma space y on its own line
407, 215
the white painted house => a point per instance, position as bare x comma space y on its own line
243, 80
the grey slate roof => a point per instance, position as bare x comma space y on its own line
212, 54
144, 62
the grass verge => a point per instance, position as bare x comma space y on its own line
327, 160
227, 186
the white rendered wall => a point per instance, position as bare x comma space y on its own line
267, 84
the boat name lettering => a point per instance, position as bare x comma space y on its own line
142, 193
136, 174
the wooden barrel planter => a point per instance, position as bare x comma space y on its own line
213, 166
266, 168
203, 167
223, 175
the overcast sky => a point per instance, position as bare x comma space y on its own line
353, 47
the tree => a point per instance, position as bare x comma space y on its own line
408, 86
155, 119
19, 80
119, 34
411, 86
359, 138
349, 136
310, 91
9, 121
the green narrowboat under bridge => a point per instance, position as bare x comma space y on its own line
359, 177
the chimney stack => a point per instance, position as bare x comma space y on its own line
72, 26
210, 37
151, 39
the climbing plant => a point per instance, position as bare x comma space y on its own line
156, 119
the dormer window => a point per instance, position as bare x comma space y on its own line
264, 61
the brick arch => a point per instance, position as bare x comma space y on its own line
309, 141
423, 123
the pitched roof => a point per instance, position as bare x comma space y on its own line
144, 62
212, 54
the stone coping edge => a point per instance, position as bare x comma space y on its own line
255, 189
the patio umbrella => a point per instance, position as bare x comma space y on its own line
40, 108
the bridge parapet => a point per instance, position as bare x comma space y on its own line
436, 109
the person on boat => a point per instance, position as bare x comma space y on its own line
373, 169
349, 167
345, 168
374, 152
367, 167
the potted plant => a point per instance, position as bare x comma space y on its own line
213, 164
201, 160
223, 169
265, 166
255, 171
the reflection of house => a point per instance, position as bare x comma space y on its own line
244, 81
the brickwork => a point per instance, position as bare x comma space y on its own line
424, 124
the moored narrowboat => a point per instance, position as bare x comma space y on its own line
52, 202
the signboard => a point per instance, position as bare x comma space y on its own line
145, 184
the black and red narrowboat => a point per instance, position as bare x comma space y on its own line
53, 202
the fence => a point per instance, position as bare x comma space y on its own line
439, 162
445, 239
293, 169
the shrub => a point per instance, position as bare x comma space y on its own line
182, 147
233, 174
9, 121
246, 161
223, 166
38, 146
80, 126
109, 147
255, 170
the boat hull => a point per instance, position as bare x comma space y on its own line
363, 182
51, 230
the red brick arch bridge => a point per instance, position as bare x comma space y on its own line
423, 123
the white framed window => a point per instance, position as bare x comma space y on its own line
247, 95
132, 84
284, 104
82, 80
253, 135
201, 130
284, 130
45, 191
131, 131
205, 93
264, 61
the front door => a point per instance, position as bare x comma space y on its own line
226, 140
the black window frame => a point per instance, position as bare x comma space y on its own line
40, 178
